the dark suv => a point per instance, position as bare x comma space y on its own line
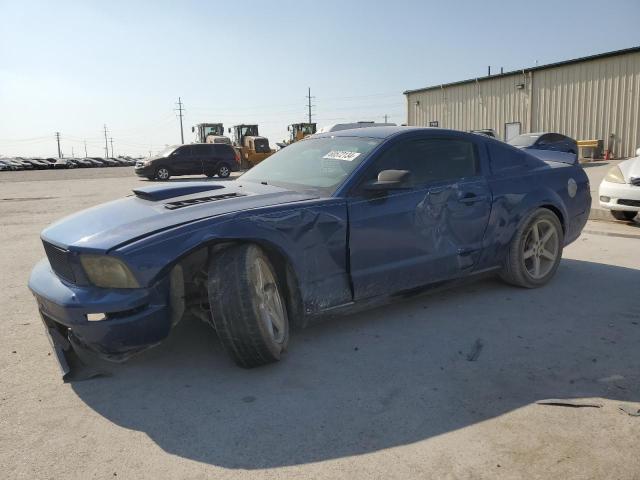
196, 159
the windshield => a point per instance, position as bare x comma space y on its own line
214, 130
523, 140
165, 152
320, 164
249, 131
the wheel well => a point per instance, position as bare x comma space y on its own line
195, 263
558, 214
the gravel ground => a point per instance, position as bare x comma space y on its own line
388, 393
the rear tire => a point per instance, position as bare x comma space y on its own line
623, 215
535, 251
247, 306
224, 171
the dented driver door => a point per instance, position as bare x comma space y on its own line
432, 231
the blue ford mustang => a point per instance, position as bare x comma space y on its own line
329, 224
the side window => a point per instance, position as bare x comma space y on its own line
202, 150
430, 160
183, 152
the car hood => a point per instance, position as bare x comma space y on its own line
156, 208
630, 168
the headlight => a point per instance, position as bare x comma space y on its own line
108, 272
615, 175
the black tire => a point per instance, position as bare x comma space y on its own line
519, 262
163, 173
623, 215
241, 314
224, 171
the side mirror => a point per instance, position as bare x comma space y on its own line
193, 129
229, 130
390, 180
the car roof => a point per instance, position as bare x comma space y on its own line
383, 132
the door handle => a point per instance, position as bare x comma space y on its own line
472, 198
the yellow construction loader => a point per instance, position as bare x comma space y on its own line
252, 147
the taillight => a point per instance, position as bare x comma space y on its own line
237, 156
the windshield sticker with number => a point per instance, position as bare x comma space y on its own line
342, 155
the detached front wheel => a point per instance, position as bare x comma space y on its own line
535, 251
247, 306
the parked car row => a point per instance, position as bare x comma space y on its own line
23, 163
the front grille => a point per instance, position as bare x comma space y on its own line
59, 260
629, 203
261, 145
196, 201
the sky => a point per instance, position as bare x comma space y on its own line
73, 67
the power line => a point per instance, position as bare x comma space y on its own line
58, 140
180, 110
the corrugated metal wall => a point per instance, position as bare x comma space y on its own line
587, 100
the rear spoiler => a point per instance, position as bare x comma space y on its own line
551, 156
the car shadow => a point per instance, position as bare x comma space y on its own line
386, 377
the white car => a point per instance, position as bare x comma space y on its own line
620, 189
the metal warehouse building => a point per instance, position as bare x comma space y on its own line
590, 98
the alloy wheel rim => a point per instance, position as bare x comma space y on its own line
224, 171
540, 249
163, 174
270, 306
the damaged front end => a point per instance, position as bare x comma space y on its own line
113, 324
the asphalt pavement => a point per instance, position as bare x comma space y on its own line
439, 386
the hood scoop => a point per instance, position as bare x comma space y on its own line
163, 192
199, 200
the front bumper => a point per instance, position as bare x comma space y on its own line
615, 193
134, 319
144, 170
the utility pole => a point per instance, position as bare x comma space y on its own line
309, 97
112, 155
106, 146
180, 110
73, 155
58, 139
385, 118
85, 149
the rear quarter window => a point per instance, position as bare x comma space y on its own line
224, 150
506, 159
